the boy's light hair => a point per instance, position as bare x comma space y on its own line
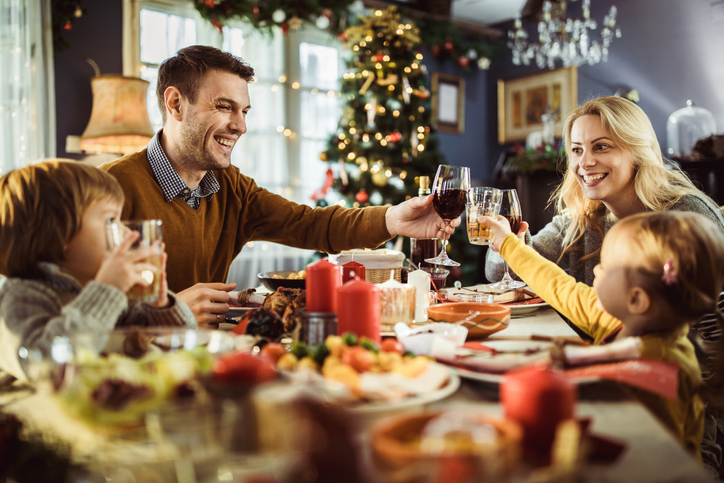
41, 209
657, 188
695, 247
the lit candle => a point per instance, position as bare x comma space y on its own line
359, 309
421, 281
352, 269
323, 280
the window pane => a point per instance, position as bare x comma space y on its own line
151, 75
320, 114
162, 35
320, 66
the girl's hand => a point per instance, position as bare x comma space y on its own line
163, 284
122, 267
501, 228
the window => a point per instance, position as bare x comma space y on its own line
295, 106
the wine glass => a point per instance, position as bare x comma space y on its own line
450, 191
510, 209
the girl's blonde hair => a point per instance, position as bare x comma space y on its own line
41, 209
680, 256
657, 188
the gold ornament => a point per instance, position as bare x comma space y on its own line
323, 156
379, 178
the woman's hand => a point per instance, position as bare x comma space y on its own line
123, 267
208, 301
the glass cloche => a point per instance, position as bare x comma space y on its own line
685, 127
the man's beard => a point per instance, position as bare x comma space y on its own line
195, 152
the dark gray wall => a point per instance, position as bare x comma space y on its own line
670, 51
96, 35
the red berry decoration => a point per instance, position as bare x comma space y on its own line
464, 61
449, 44
255, 10
362, 196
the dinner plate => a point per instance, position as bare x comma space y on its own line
497, 378
239, 311
378, 407
517, 309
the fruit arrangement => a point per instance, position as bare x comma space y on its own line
349, 360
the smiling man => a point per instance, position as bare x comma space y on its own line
209, 209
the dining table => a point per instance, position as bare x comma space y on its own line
651, 453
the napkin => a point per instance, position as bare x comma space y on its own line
628, 348
372, 259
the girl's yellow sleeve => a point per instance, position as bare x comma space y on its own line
575, 300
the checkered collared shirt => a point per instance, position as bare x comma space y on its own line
171, 183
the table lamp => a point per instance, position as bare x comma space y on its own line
119, 121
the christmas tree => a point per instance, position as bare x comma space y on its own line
385, 139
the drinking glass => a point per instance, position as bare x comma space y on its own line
450, 193
150, 233
510, 209
481, 202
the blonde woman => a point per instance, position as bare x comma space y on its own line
615, 169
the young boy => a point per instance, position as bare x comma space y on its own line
62, 279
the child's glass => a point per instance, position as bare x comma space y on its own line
149, 233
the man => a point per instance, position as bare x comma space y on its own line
209, 209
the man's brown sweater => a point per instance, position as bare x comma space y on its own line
202, 243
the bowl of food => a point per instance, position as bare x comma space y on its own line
491, 318
415, 444
286, 279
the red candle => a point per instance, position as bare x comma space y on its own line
352, 269
359, 310
538, 399
323, 280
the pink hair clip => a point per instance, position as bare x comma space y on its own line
669, 277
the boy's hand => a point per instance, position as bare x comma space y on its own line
123, 266
163, 284
500, 228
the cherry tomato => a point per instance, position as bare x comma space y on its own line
359, 358
391, 345
243, 368
273, 350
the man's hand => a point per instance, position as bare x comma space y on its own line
416, 218
208, 301
500, 228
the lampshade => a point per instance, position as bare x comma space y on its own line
119, 120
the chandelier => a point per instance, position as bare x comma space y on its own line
564, 39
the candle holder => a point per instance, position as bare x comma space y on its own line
397, 305
316, 326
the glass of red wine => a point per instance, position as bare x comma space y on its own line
510, 209
450, 191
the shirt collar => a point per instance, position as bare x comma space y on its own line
168, 179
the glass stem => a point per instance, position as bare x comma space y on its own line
444, 242
506, 275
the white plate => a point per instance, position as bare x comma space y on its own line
239, 311
517, 345
376, 407
516, 310
497, 378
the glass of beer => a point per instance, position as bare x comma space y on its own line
482, 201
149, 233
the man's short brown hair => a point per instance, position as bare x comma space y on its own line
189, 66
41, 210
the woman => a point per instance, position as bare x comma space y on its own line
615, 169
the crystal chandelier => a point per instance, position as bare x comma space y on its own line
563, 39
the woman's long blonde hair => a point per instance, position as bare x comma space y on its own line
656, 187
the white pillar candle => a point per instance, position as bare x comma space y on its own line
421, 281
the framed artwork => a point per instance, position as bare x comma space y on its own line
448, 103
523, 101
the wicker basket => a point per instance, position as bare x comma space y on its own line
379, 275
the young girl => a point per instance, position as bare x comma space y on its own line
659, 271
62, 280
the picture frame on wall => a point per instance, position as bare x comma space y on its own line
448, 103
523, 101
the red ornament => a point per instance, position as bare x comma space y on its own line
215, 22
435, 50
464, 61
68, 26
449, 44
378, 57
395, 137
342, 37
255, 10
362, 196
285, 28
210, 3
423, 94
